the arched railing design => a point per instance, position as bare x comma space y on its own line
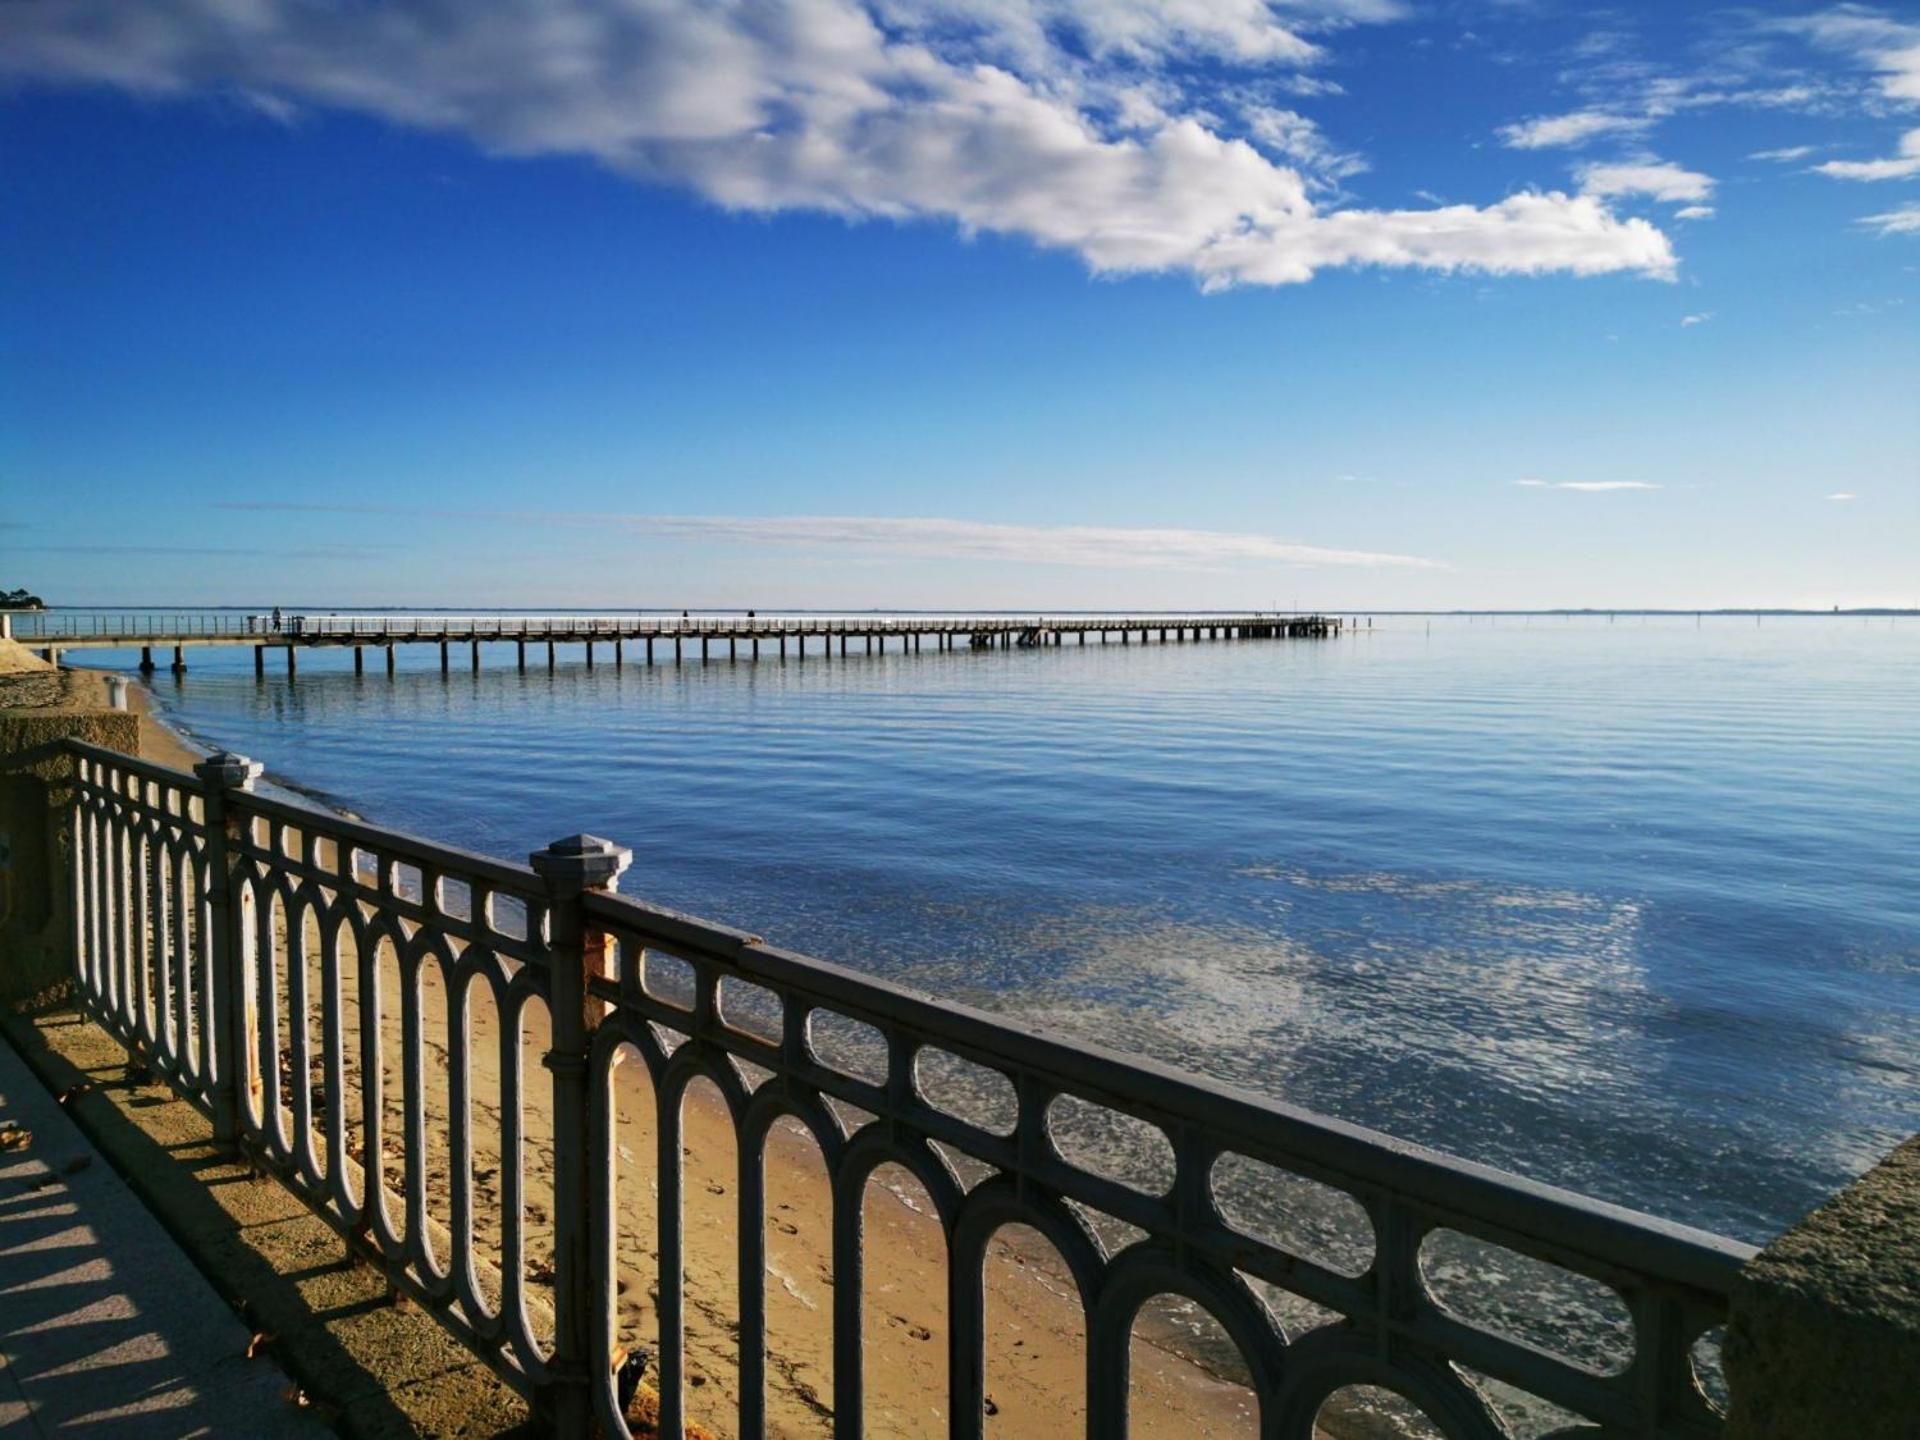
216, 928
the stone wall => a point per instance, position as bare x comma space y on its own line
1823, 1338
34, 907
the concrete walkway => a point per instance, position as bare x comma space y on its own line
106, 1328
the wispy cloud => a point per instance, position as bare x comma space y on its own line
1889, 48
1687, 322
1902, 221
1843, 495
1569, 131
1660, 179
1590, 486
1086, 126
1629, 90
1900, 167
1079, 545
1694, 212
1786, 155
924, 537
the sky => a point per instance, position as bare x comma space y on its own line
1313, 304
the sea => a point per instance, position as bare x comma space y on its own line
1627, 904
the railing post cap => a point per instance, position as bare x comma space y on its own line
583, 862
228, 770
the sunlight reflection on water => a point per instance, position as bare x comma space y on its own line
1628, 908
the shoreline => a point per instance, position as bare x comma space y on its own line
170, 746
1036, 1330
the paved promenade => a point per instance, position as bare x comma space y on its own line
106, 1328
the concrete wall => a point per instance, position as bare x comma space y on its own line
34, 907
1823, 1338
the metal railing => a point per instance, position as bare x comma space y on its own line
132, 625
237, 944
510, 627
137, 627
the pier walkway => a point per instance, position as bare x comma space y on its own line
655, 638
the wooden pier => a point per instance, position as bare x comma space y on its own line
658, 640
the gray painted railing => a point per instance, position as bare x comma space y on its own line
136, 627
133, 625
178, 880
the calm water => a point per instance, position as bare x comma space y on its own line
1630, 908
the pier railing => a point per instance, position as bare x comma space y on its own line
158, 627
513, 627
274, 962
129, 625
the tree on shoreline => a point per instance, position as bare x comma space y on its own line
21, 600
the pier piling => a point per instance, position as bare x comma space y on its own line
356, 632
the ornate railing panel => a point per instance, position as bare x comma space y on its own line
217, 928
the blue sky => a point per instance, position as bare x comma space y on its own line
1334, 303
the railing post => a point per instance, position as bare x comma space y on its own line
572, 868
220, 773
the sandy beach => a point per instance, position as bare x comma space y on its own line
1036, 1336
1035, 1375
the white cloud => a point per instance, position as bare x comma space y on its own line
928, 537
1071, 123
1889, 48
1573, 130
1289, 133
1660, 179
1902, 221
1694, 212
1688, 321
1590, 486
1078, 545
1786, 155
1843, 495
1906, 164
